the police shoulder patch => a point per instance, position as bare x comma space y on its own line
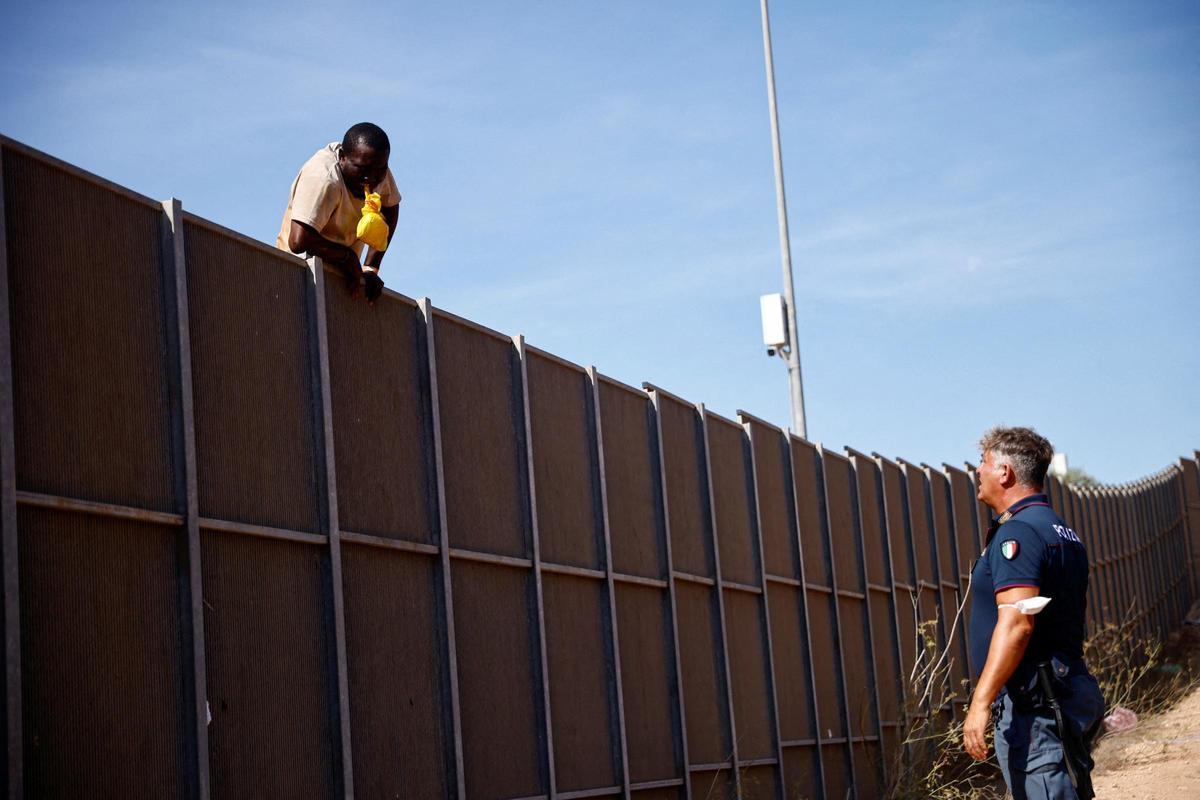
1009, 548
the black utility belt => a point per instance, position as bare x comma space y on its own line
1029, 691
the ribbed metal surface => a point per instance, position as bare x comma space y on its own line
267, 632
252, 377
632, 482
102, 656
646, 653
91, 407
498, 690
943, 525
810, 512
888, 670
397, 678
825, 666
714, 784
582, 686
663, 793
802, 773
479, 393
867, 770
852, 611
780, 551
566, 473
748, 674
759, 782
703, 688
733, 492
843, 533
837, 771
687, 488
788, 643
383, 439
876, 553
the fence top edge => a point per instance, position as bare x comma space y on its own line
8, 143
746, 418
724, 420
559, 360
619, 384
661, 392
450, 316
291, 259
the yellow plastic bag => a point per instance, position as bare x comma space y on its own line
372, 228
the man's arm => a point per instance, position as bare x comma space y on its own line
371, 269
303, 239
1009, 640
390, 215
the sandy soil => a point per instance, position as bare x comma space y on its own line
1160, 758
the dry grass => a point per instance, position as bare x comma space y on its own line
1149, 676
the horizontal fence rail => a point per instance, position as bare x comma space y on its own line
260, 539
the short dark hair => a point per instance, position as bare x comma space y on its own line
366, 134
1023, 449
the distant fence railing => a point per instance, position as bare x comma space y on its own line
260, 540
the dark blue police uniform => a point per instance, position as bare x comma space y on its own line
1030, 545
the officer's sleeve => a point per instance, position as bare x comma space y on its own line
1017, 556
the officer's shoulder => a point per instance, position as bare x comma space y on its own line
1019, 529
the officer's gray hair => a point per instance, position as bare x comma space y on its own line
1024, 450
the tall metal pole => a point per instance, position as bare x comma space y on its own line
792, 354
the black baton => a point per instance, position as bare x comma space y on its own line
1072, 747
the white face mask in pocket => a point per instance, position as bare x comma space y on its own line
1028, 606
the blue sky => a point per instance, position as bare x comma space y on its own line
994, 207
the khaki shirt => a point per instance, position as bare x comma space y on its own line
321, 200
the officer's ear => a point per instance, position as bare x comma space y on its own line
1007, 475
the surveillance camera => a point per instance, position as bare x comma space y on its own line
770, 351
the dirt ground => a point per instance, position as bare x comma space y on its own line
1160, 758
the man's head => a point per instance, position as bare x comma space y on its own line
363, 156
1013, 464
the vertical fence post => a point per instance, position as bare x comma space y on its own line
14, 731
839, 638
1190, 499
527, 435
722, 639
609, 583
772, 695
175, 262
317, 270
656, 404
451, 651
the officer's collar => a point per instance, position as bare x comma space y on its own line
1025, 502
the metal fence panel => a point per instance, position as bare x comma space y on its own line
566, 471
708, 737
102, 657
499, 688
252, 376
582, 695
479, 394
270, 673
88, 338
398, 683
643, 619
632, 481
686, 488
383, 442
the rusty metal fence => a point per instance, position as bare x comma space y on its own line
260, 540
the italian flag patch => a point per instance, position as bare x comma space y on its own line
1009, 549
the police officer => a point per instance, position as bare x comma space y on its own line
1029, 669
